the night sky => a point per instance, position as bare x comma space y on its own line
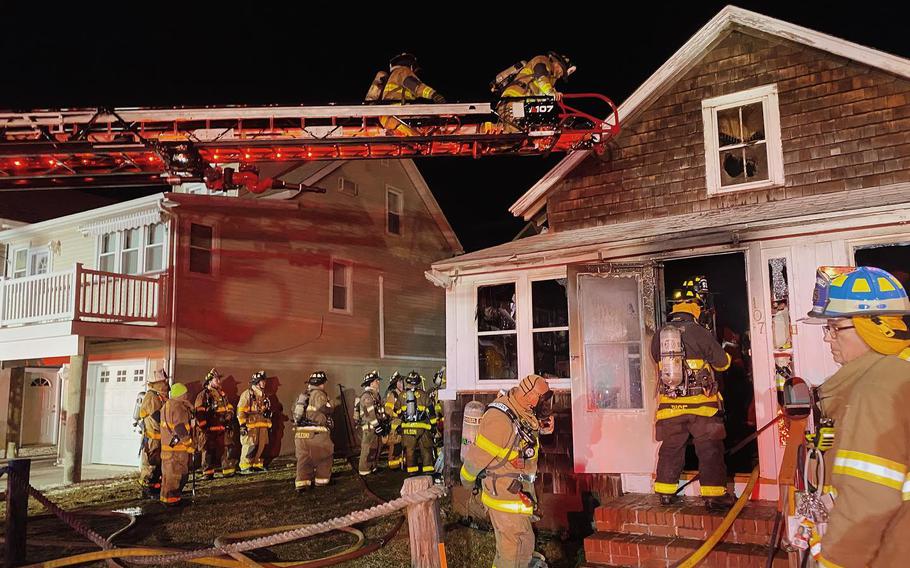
160, 54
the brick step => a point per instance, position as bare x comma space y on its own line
644, 515
645, 551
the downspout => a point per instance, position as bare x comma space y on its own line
381, 319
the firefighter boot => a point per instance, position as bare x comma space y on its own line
720, 503
667, 499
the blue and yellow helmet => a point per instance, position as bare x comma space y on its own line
847, 291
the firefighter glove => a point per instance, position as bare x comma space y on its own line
438, 99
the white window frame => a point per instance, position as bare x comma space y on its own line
765, 94
354, 192
31, 255
524, 319
147, 231
534, 330
215, 258
119, 251
123, 251
348, 284
388, 211
12, 267
478, 334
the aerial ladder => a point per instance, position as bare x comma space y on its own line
223, 146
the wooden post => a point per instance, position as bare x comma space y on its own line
424, 528
73, 406
16, 510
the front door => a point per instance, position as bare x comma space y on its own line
611, 311
39, 409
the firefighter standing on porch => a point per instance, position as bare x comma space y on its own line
689, 404
865, 311
254, 414
418, 425
396, 387
313, 434
150, 454
504, 456
369, 414
177, 444
214, 416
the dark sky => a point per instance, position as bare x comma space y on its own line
161, 54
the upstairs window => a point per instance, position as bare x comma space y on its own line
340, 287
20, 263
348, 187
154, 248
201, 239
394, 209
742, 140
139, 250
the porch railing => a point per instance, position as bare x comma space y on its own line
82, 294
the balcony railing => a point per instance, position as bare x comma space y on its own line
82, 294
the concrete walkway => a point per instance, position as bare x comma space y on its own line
45, 474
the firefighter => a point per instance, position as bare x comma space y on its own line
150, 452
503, 461
689, 405
254, 414
400, 86
215, 416
396, 387
177, 444
313, 434
369, 414
865, 312
418, 426
537, 77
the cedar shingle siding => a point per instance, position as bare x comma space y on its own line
844, 126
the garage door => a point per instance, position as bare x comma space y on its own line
114, 440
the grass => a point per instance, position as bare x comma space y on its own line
267, 499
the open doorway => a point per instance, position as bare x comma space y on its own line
728, 295
895, 258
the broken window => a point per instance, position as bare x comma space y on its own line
550, 328
497, 336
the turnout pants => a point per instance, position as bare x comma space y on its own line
395, 454
514, 539
219, 449
150, 465
252, 446
175, 468
369, 450
708, 433
314, 452
418, 450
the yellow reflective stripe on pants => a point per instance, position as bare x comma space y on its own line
871, 468
416, 425
506, 506
906, 489
712, 491
304, 483
665, 413
665, 488
466, 475
494, 450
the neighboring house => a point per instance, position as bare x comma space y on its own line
290, 283
756, 153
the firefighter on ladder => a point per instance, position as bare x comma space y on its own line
865, 312
369, 414
177, 447
214, 416
313, 434
150, 453
418, 426
396, 387
254, 414
400, 86
536, 77
689, 404
503, 461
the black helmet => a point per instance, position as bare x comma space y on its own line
564, 62
318, 378
370, 377
257, 377
393, 380
404, 59
414, 378
213, 374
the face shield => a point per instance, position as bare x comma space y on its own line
543, 410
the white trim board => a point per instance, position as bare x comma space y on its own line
727, 20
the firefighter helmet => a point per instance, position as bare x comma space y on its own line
404, 60
414, 378
178, 389
159, 376
258, 377
847, 291
564, 62
211, 375
393, 380
370, 377
318, 378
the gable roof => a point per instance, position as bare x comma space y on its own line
729, 19
311, 173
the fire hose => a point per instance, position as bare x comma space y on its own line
214, 556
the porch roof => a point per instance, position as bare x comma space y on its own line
788, 212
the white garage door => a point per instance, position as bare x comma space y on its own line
114, 440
